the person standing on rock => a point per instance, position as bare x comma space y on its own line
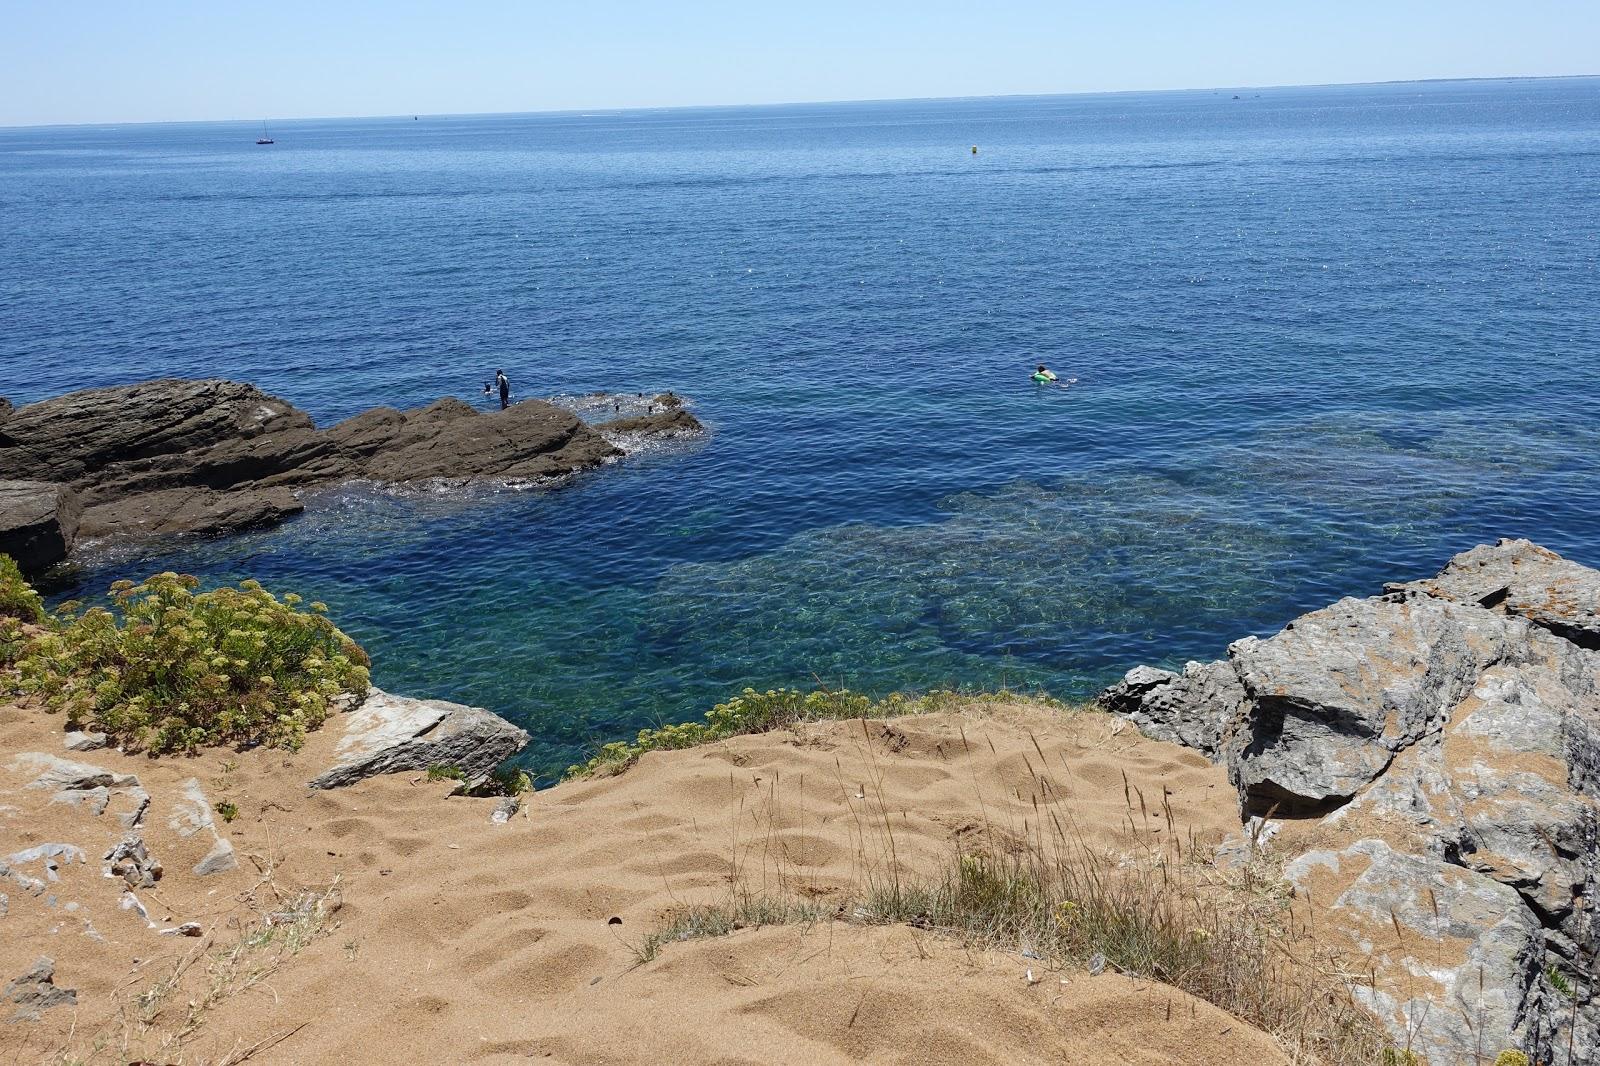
503, 383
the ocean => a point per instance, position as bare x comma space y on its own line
1324, 338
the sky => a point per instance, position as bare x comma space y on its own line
89, 61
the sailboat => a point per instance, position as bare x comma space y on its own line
265, 137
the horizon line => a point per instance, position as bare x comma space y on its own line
625, 109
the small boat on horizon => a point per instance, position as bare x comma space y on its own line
265, 137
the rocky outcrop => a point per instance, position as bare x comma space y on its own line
131, 860
217, 457
38, 521
390, 734
1200, 708
1454, 721
1518, 577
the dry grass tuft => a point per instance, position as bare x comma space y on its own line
743, 910
1166, 912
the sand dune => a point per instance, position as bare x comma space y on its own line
461, 941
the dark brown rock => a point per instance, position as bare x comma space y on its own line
531, 439
219, 456
667, 423
190, 510
82, 435
367, 432
38, 522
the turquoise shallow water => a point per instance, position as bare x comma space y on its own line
1325, 338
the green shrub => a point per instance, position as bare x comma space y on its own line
170, 669
505, 781
227, 809
441, 772
17, 598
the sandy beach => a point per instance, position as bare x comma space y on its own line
427, 934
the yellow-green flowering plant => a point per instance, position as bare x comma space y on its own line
18, 601
167, 668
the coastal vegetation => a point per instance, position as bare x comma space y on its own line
1029, 873
21, 609
168, 668
752, 711
18, 601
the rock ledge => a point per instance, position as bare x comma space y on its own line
215, 457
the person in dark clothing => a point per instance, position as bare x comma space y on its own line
504, 384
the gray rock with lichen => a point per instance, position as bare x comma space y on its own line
1518, 577
1456, 954
1339, 692
1199, 708
35, 990
1461, 716
389, 734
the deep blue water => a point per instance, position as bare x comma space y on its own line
1325, 337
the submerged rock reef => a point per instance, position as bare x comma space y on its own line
1444, 739
214, 457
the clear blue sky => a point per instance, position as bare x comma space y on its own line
149, 60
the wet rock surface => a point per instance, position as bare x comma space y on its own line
215, 457
673, 422
1453, 725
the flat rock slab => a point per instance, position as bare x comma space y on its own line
60, 774
77, 740
390, 734
220, 859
